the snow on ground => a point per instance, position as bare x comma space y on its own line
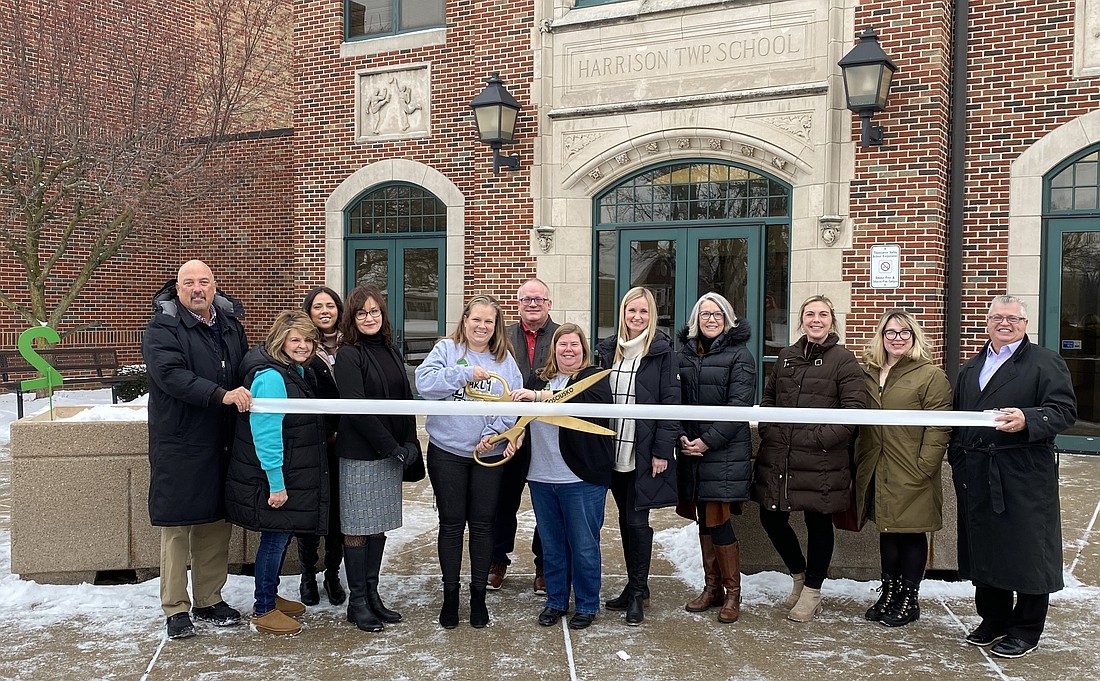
62, 398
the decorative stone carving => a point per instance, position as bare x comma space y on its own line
683, 142
747, 150
577, 141
830, 228
651, 147
393, 103
798, 125
1087, 38
716, 144
779, 163
595, 173
546, 26
545, 236
622, 158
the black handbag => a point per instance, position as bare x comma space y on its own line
416, 471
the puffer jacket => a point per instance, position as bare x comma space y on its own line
898, 467
657, 383
305, 462
724, 375
806, 467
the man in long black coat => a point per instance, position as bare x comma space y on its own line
1010, 533
193, 347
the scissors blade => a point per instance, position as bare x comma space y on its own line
574, 423
570, 391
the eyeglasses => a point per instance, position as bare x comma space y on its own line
894, 334
362, 314
1011, 319
717, 315
533, 301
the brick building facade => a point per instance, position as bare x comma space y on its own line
686, 145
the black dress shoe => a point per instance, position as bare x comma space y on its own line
550, 616
982, 637
581, 620
1013, 647
219, 614
180, 626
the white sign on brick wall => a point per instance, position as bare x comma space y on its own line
886, 266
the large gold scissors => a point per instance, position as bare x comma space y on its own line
513, 434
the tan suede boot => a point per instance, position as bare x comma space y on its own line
275, 622
729, 561
807, 606
796, 590
289, 608
713, 595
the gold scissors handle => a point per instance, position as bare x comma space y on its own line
475, 394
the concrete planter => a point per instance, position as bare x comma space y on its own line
80, 500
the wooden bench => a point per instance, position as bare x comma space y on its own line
14, 369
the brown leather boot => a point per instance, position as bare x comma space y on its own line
713, 595
729, 563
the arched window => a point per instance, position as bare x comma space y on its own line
397, 208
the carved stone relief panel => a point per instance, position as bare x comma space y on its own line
393, 102
1086, 36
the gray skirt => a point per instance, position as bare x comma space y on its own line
370, 496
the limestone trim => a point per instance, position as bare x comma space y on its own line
614, 163
1025, 202
631, 10
397, 170
393, 43
708, 99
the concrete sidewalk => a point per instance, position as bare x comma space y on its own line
671, 644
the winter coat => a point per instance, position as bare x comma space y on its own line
366, 436
190, 367
591, 457
806, 467
898, 467
1010, 531
542, 351
657, 382
305, 461
725, 375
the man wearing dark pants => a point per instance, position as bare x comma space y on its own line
530, 338
1006, 480
193, 348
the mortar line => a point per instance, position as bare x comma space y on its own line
1084, 539
569, 651
985, 653
156, 655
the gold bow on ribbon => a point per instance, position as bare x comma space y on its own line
513, 434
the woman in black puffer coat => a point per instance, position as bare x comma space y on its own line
715, 463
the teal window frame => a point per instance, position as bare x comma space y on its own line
397, 30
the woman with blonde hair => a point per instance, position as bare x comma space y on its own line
277, 482
465, 492
805, 466
898, 481
643, 371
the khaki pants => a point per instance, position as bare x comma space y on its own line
207, 548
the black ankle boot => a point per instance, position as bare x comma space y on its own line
635, 612
359, 613
333, 589
479, 613
904, 608
448, 614
375, 548
308, 589
886, 596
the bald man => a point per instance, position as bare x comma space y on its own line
193, 348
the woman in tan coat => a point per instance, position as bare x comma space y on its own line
898, 467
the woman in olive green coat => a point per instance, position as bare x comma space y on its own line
897, 480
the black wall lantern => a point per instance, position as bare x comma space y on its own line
867, 73
495, 111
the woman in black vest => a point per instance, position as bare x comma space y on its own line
277, 482
373, 451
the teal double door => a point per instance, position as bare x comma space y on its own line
410, 272
681, 264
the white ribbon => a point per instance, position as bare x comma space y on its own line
673, 412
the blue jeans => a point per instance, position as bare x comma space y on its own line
570, 518
269, 562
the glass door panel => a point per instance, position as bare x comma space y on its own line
647, 258
371, 267
421, 302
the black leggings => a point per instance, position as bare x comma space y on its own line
904, 554
465, 494
722, 534
819, 544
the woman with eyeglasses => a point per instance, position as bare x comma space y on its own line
806, 466
715, 466
373, 450
898, 481
643, 371
466, 492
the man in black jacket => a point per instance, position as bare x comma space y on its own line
193, 347
1006, 480
530, 339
